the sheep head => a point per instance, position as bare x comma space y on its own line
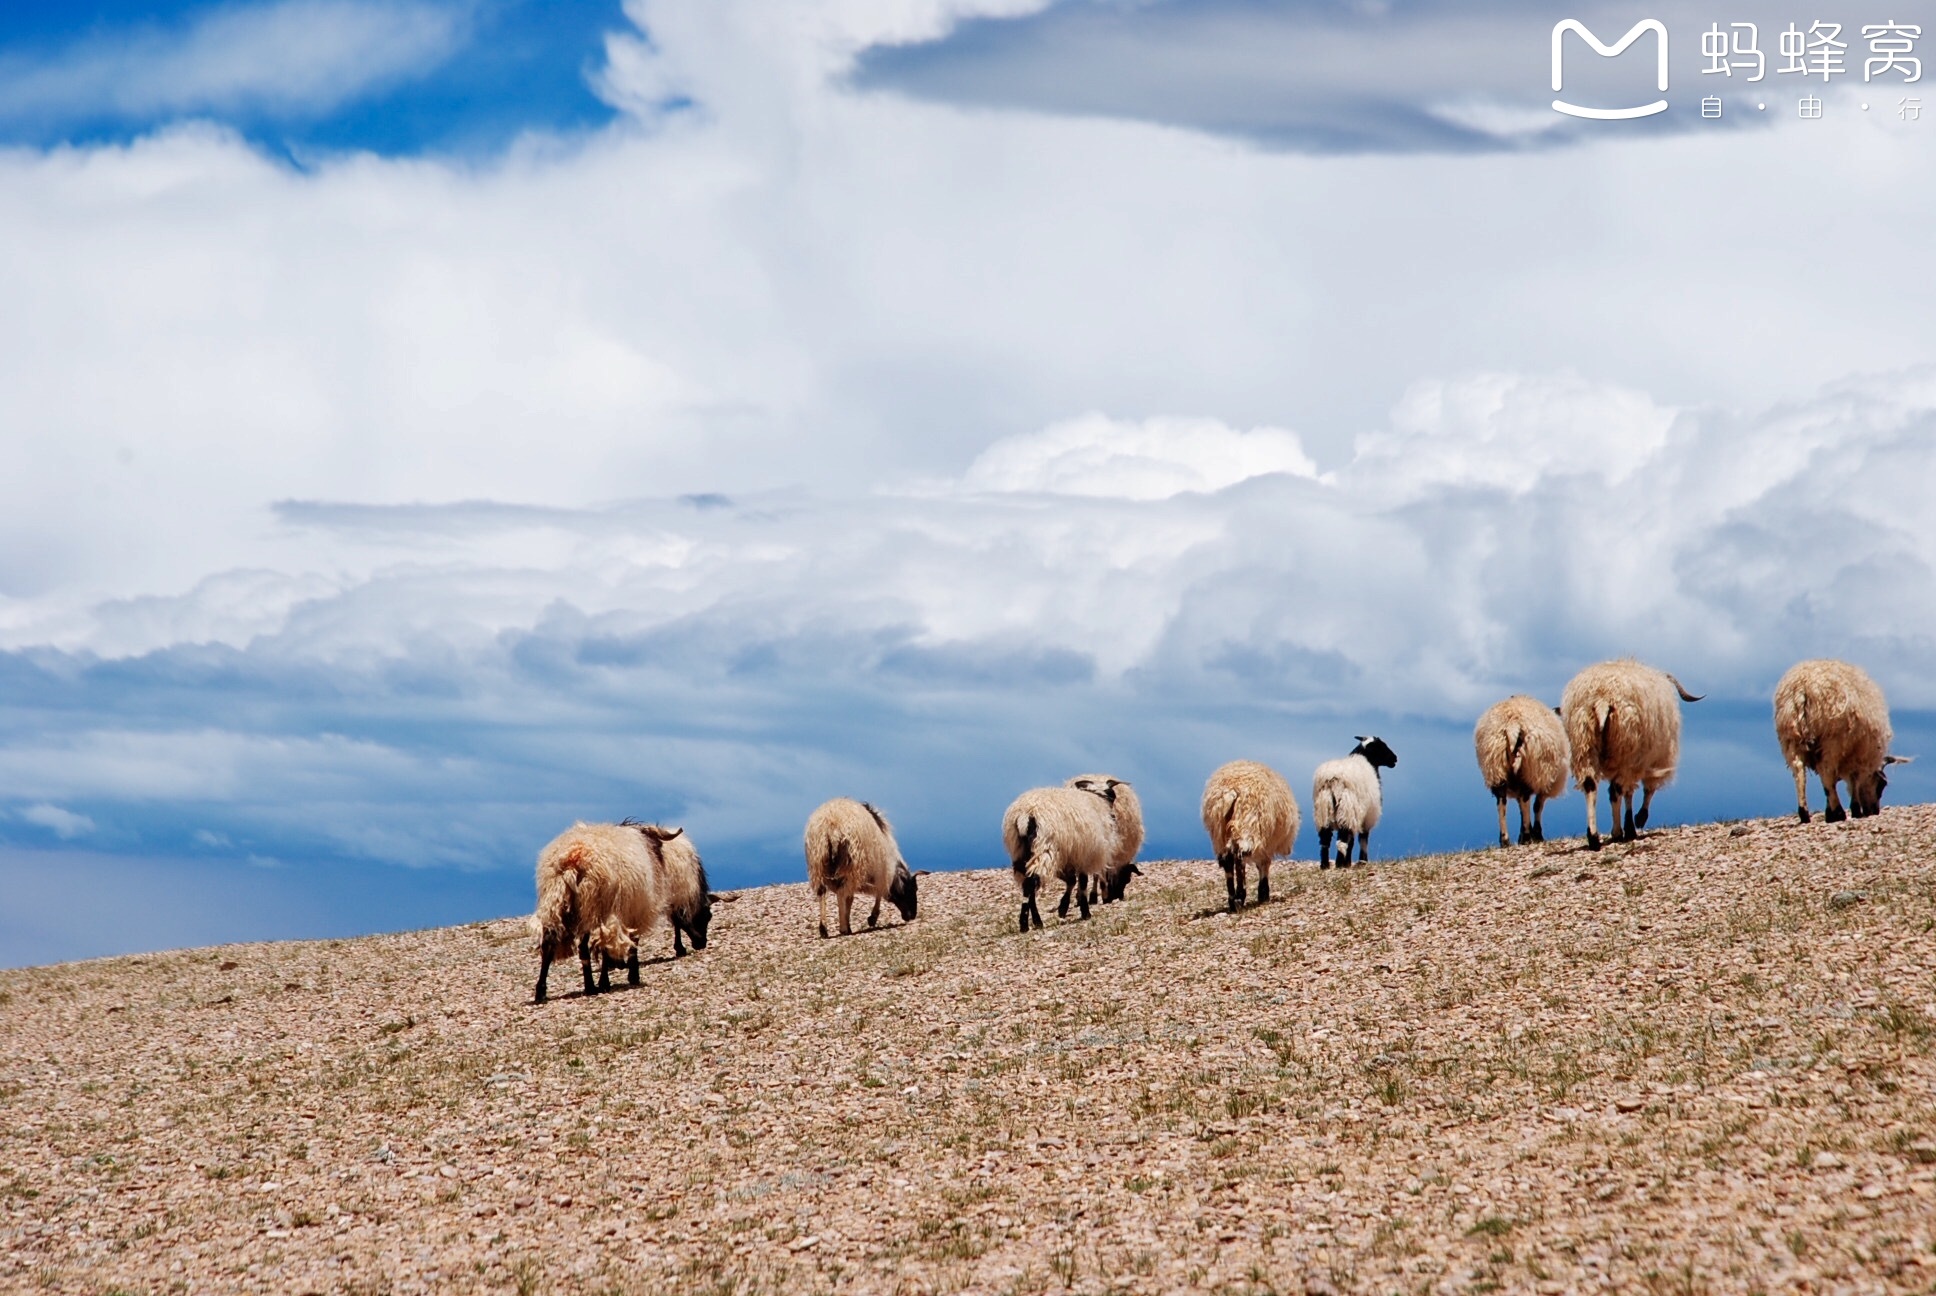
1866, 794
1374, 750
901, 891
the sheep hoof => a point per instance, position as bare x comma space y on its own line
1263, 893
1593, 841
1640, 819
1837, 815
823, 931
1503, 843
1803, 812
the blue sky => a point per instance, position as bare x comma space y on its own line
301, 76
429, 424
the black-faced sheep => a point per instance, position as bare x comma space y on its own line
1624, 728
1251, 816
851, 851
1522, 751
604, 885
1059, 834
1347, 797
1832, 718
1128, 812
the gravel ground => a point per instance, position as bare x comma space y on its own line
1700, 1062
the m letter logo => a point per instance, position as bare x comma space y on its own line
1634, 33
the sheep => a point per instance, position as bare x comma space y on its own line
1832, 718
1060, 833
1129, 831
1625, 730
1251, 816
607, 884
851, 851
1523, 754
1346, 797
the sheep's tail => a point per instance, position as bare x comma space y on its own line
558, 908
1024, 843
838, 860
1515, 746
1228, 797
1606, 713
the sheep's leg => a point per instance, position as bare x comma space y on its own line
544, 970
678, 947
846, 914
1324, 848
632, 966
1525, 823
585, 963
1344, 848
1502, 819
1068, 889
1646, 801
604, 971
1030, 886
1835, 813
1263, 880
1233, 897
1614, 803
1801, 789
1539, 818
1082, 895
874, 919
1591, 789
823, 915
1364, 846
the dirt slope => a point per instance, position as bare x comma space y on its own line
1699, 1063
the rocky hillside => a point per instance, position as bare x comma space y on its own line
1701, 1062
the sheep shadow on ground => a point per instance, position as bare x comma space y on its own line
862, 930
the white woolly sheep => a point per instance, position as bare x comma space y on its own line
1832, 718
1522, 751
1129, 831
851, 851
1347, 797
611, 883
1251, 816
1066, 834
1624, 728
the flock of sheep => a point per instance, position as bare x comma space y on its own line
603, 887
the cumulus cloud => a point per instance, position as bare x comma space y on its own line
471, 675
1148, 459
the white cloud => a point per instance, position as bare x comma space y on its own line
1148, 459
1509, 431
290, 57
64, 824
